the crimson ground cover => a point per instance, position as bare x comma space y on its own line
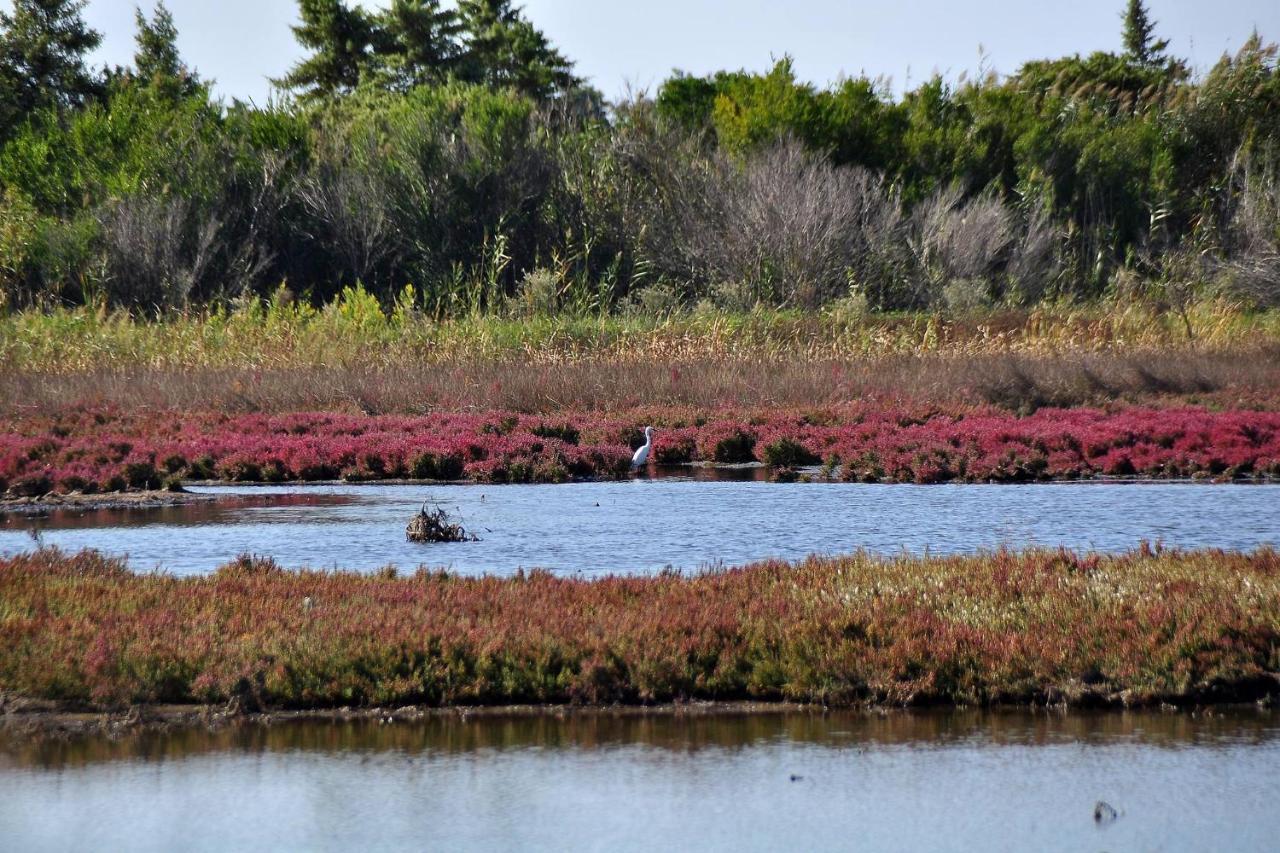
1039, 626
112, 450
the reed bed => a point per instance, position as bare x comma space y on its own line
1017, 382
1034, 627
356, 331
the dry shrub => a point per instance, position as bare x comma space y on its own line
158, 250
783, 226
260, 197
1252, 264
958, 246
793, 225
1035, 265
656, 300
349, 194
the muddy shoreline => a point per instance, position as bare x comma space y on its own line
24, 718
41, 719
106, 500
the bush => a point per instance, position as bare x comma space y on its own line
17, 236
565, 432
141, 475
788, 453
734, 448
966, 295
432, 466
1252, 262
158, 250
538, 294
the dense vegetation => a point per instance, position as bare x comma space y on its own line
355, 330
1043, 627
456, 151
108, 451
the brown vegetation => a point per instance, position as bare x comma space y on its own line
1017, 382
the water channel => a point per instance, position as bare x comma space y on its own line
645, 525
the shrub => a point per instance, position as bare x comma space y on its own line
538, 293
31, 485
141, 475
787, 453
739, 446
565, 432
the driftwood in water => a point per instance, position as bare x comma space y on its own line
434, 525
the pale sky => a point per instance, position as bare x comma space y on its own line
240, 43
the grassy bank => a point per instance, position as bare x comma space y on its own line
994, 628
356, 331
107, 450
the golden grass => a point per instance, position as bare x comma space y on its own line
356, 331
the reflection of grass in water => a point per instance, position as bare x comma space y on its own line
680, 729
1041, 626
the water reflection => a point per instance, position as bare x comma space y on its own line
609, 781
681, 733
225, 509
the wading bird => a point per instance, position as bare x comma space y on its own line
642, 455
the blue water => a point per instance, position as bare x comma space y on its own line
646, 525
848, 781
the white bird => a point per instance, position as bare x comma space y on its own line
642, 455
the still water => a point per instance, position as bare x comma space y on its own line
645, 525
931, 781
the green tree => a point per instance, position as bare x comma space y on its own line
1139, 35
687, 101
341, 39
42, 48
505, 50
755, 110
417, 42
156, 61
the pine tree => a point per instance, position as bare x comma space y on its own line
156, 61
1139, 35
506, 50
417, 42
341, 39
42, 48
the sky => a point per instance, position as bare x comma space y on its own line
634, 45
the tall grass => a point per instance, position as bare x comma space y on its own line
1019, 382
356, 331
1040, 626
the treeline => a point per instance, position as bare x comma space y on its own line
456, 150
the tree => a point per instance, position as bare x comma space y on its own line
417, 42
42, 49
1139, 38
506, 50
156, 60
341, 39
